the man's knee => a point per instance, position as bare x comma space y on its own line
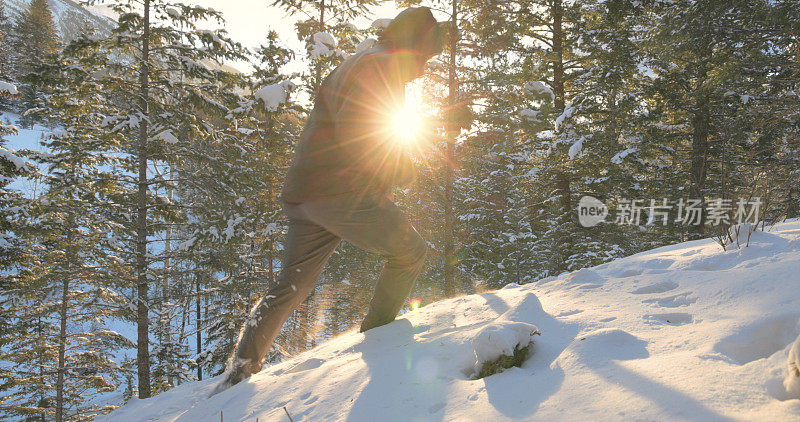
415, 250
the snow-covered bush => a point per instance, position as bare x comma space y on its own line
501, 345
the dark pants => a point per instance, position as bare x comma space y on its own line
315, 229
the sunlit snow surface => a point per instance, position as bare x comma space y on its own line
685, 332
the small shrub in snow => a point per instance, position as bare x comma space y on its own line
500, 346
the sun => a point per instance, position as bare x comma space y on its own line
406, 123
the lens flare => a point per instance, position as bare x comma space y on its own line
414, 303
406, 124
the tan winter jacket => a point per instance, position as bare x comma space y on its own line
346, 147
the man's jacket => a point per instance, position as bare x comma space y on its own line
347, 147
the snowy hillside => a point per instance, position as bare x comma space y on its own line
70, 17
685, 332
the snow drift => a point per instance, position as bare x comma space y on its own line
686, 332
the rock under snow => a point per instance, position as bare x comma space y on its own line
500, 339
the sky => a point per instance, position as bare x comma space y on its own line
249, 21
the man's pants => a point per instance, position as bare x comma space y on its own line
371, 223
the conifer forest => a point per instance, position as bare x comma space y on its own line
143, 149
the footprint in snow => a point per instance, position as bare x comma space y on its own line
436, 407
674, 318
569, 313
759, 339
306, 365
584, 276
626, 272
660, 287
679, 300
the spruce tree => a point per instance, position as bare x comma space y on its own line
71, 272
5, 41
244, 206
36, 40
174, 111
11, 167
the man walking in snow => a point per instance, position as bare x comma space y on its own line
338, 186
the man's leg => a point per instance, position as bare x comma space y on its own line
308, 247
377, 225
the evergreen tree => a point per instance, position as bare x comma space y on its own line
244, 206
325, 22
11, 166
708, 98
71, 272
5, 41
174, 112
36, 40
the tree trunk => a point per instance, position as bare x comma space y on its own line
562, 178
271, 242
558, 61
700, 129
62, 331
142, 318
198, 335
318, 66
62, 340
449, 166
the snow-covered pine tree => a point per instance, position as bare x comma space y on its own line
36, 39
6, 50
493, 220
236, 222
328, 32
609, 160
711, 74
552, 64
71, 266
178, 97
11, 167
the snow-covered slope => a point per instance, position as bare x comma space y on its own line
70, 17
685, 332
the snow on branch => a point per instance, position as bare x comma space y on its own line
539, 88
8, 89
274, 95
323, 45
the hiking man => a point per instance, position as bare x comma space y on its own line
339, 186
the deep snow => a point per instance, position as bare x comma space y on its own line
684, 332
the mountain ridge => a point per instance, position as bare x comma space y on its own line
70, 17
